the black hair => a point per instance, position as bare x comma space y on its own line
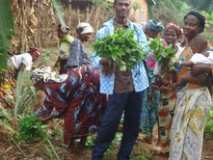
79, 30
200, 17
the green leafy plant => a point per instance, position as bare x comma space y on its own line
31, 128
209, 125
122, 48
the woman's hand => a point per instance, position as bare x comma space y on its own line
200, 68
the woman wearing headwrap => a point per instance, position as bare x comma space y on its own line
193, 101
77, 55
167, 77
152, 29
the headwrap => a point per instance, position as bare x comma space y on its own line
63, 28
35, 51
175, 27
84, 28
154, 26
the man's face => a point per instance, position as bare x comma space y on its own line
122, 8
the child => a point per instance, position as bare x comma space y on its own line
199, 47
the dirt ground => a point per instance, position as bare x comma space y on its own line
36, 151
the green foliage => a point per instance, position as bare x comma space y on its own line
162, 53
6, 120
202, 5
31, 128
209, 25
141, 157
209, 124
90, 142
6, 31
102, 3
121, 48
59, 11
168, 10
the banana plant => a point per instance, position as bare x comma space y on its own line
59, 11
6, 31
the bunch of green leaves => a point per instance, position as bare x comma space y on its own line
31, 128
162, 54
122, 48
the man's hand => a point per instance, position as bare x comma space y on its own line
108, 66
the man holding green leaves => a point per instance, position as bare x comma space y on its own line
124, 88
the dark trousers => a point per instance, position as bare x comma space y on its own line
129, 103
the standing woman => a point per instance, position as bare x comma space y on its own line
77, 55
167, 77
193, 102
152, 29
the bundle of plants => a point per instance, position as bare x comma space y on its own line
120, 48
162, 54
165, 61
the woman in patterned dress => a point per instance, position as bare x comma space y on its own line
166, 86
152, 29
193, 101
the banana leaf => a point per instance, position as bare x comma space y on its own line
6, 31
